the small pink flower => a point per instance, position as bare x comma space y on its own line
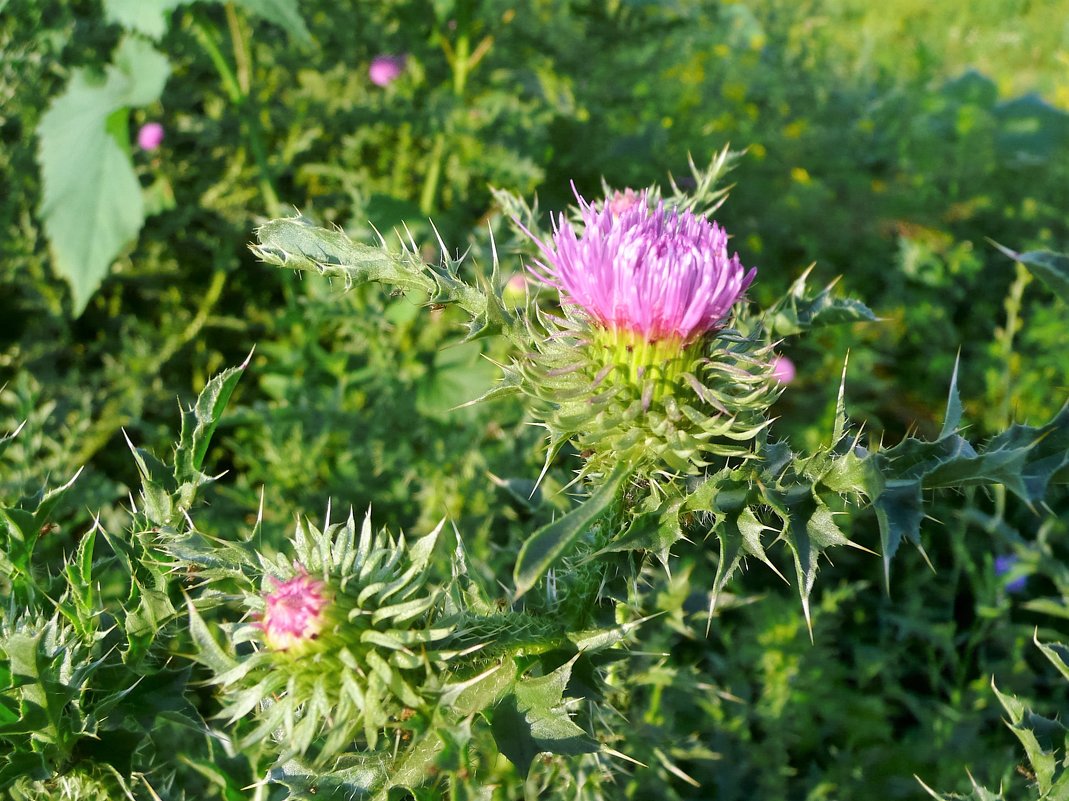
150, 137
622, 201
294, 612
783, 369
384, 70
658, 273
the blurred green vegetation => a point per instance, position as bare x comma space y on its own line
885, 142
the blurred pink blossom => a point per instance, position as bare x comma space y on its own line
150, 137
384, 70
621, 201
783, 369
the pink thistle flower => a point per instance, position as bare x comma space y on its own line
783, 370
656, 273
622, 201
294, 611
150, 136
384, 70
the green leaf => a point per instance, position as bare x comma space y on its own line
91, 201
199, 423
533, 719
808, 535
284, 13
952, 419
147, 17
1057, 653
799, 311
1049, 267
899, 511
1041, 738
296, 244
457, 375
353, 777
543, 548
656, 531
739, 535
210, 653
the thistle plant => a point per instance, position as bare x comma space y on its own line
661, 376
349, 662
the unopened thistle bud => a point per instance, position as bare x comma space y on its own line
351, 636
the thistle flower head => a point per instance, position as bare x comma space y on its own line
150, 136
642, 366
294, 611
783, 370
384, 70
350, 635
659, 274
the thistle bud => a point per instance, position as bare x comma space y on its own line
150, 136
384, 70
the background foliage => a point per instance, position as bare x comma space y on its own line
886, 143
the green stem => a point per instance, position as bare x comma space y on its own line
205, 34
1006, 337
461, 60
242, 101
462, 55
434, 172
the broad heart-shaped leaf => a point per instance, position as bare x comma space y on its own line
1049, 267
543, 548
533, 720
91, 202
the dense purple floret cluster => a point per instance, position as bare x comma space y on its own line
662, 274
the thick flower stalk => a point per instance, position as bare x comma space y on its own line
643, 366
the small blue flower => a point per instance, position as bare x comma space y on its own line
1004, 565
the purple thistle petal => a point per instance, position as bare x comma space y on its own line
657, 273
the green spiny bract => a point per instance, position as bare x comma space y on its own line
376, 656
659, 406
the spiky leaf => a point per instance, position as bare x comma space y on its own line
1049, 267
533, 719
547, 545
